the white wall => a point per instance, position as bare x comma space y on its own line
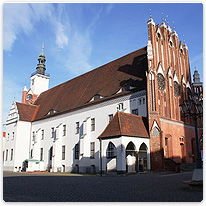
121, 144
100, 112
41, 83
22, 143
10, 143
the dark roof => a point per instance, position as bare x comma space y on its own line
105, 80
124, 124
26, 111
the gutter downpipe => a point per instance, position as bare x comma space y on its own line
100, 157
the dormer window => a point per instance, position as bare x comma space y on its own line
97, 96
126, 88
52, 111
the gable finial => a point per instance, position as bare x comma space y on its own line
173, 27
150, 15
183, 38
166, 20
162, 17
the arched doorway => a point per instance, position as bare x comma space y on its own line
142, 158
131, 163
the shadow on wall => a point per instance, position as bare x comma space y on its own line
136, 69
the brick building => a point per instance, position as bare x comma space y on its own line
123, 116
168, 79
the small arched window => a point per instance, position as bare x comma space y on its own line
111, 150
155, 132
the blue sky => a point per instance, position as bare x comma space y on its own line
81, 37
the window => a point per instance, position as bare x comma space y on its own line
92, 124
155, 132
8, 137
77, 127
50, 153
29, 97
110, 117
143, 101
11, 154
33, 136
170, 82
92, 150
140, 101
63, 152
32, 81
6, 158
52, 131
31, 153
41, 154
12, 135
77, 151
111, 150
150, 63
64, 130
42, 134
120, 106
135, 111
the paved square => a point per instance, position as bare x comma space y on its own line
153, 187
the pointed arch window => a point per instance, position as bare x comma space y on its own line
155, 132
161, 81
111, 150
176, 89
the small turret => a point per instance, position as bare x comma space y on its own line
197, 84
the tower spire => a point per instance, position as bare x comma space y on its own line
41, 65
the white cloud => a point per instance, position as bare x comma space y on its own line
15, 21
109, 8
61, 37
79, 51
10, 90
197, 59
22, 18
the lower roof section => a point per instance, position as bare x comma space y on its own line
125, 124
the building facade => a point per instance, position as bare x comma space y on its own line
121, 117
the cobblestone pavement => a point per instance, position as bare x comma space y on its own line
47, 187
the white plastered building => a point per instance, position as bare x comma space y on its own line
92, 123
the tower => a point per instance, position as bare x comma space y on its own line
39, 81
197, 85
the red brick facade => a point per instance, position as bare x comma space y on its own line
167, 79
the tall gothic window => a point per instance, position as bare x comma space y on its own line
176, 89
152, 92
155, 132
161, 81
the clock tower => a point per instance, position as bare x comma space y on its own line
39, 81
